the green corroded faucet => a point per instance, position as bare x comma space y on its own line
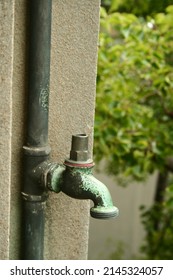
75, 179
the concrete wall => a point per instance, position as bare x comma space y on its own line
75, 27
6, 59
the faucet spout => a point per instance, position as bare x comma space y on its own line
79, 183
103, 206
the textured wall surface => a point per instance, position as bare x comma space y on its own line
6, 59
75, 27
72, 102
18, 130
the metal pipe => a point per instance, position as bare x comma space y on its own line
39, 72
36, 149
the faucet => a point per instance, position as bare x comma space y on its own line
75, 179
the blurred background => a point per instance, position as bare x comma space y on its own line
133, 145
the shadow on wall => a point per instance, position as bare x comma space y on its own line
121, 238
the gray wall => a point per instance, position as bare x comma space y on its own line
75, 26
6, 59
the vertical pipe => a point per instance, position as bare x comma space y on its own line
36, 149
39, 71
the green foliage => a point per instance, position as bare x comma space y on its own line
137, 7
159, 239
133, 125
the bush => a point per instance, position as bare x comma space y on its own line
133, 124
